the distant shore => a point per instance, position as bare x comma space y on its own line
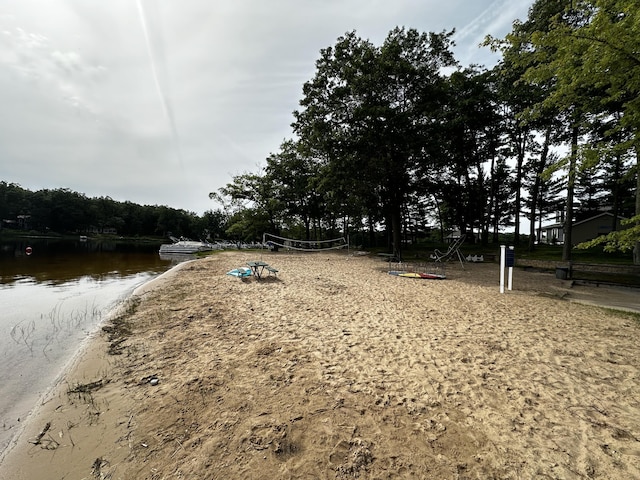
332, 368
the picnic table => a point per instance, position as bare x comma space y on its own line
258, 267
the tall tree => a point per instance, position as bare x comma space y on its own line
369, 109
539, 186
542, 42
250, 197
294, 177
472, 125
531, 125
591, 51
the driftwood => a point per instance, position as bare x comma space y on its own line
44, 431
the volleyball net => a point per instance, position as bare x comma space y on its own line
272, 241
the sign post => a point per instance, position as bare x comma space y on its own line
511, 261
507, 259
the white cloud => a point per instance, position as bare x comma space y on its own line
496, 19
85, 108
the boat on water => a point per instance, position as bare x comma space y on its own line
186, 247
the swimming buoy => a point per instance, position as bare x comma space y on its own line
28, 251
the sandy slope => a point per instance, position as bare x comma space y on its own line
335, 369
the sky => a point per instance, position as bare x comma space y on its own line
160, 102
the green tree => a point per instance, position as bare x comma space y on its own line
471, 143
542, 193
213, 224
618, 241
591, 51
254, 195
14, 200
368, 110
295, 178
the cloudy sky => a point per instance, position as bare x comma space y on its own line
162, 101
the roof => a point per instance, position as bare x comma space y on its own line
597, 216
556, 225
553, 225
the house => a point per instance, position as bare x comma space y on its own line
584, 230
552, 234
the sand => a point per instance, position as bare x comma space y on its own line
335, 369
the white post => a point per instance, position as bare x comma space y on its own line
510, 272
502, 264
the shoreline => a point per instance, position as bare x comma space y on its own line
90, 342
335, 369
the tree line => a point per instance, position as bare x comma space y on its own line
400, 136
63, 211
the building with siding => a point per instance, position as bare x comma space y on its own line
584, 230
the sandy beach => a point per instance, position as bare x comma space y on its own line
334, 369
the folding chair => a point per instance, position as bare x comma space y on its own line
452, 251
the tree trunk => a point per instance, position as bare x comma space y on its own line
615, 193
636, 249
440, 221
307, 227
568, 221
496, 223
372, 232
484, 206
521, 143
535, 191
492, 195
396, 230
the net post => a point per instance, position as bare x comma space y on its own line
502, 265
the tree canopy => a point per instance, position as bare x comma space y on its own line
401, 137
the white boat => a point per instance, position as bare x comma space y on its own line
186, 247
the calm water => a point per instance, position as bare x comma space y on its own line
51, 300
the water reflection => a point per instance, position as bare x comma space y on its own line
54, 261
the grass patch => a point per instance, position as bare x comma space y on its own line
88, 387
120, 327
633, 316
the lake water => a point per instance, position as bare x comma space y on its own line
53, 295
